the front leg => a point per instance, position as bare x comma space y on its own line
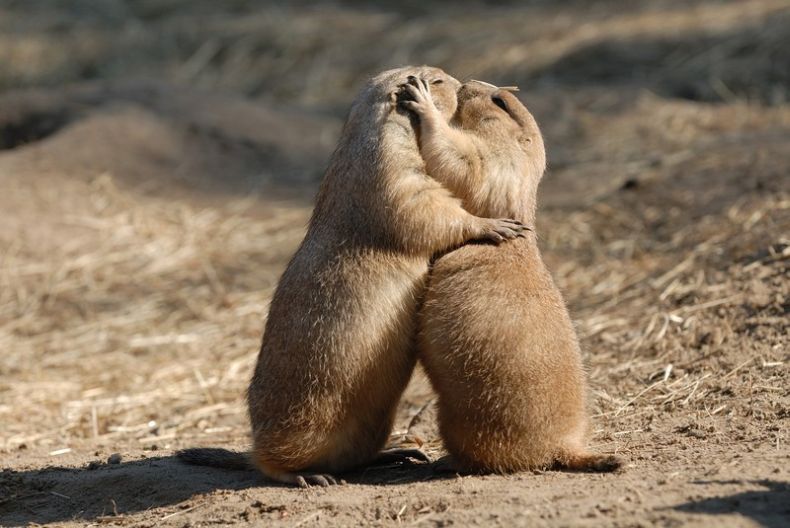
428, 220
451, 156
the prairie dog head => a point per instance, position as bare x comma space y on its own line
378, 100
497, 115
444, 89
511, 145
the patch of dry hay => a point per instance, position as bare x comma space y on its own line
143, 329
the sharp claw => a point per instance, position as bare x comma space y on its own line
307, 481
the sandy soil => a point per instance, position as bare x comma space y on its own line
156, 174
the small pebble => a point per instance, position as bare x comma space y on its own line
115, 458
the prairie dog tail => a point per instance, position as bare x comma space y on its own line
223, 459
216, 457
589, 462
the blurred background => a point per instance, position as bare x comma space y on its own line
159, 158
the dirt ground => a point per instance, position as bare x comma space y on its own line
158, 161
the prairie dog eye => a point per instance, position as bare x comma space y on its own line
437, 81
499, 102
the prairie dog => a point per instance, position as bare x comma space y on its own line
338, 346
496, 339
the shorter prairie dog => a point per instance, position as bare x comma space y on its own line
496, 339
338, 347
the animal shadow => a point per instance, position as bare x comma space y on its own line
101, 492
770, 507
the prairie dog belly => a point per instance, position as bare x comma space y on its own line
342, 411
499, 348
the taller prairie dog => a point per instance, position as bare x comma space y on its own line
496, 340
338, 347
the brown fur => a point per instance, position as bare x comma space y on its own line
338, 347
496, 339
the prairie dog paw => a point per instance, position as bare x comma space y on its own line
499, 230
306, 480
421, 102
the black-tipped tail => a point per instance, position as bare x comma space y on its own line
215, 457
591, 463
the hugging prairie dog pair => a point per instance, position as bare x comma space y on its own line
339, 344
495, 337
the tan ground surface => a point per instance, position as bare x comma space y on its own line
157, 166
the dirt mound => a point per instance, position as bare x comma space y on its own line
146, 133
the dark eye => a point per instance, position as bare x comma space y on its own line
437, 81
499, 102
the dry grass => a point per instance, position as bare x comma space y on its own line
143, 328
316, 54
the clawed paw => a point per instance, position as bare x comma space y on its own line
504, 229
418, 96
309, 480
